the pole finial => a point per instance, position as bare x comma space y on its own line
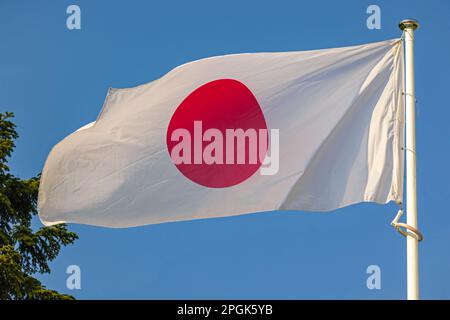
408, 24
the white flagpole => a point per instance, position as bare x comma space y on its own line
412, 244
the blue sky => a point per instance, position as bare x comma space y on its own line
55, 81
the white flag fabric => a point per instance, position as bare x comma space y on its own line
312, 130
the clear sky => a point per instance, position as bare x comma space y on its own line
55, 81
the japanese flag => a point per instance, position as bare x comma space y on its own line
313, 130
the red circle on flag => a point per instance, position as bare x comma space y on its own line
230, 109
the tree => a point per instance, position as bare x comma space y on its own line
24, 251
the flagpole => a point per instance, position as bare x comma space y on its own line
412, 243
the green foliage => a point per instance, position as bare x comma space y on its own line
23, 251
